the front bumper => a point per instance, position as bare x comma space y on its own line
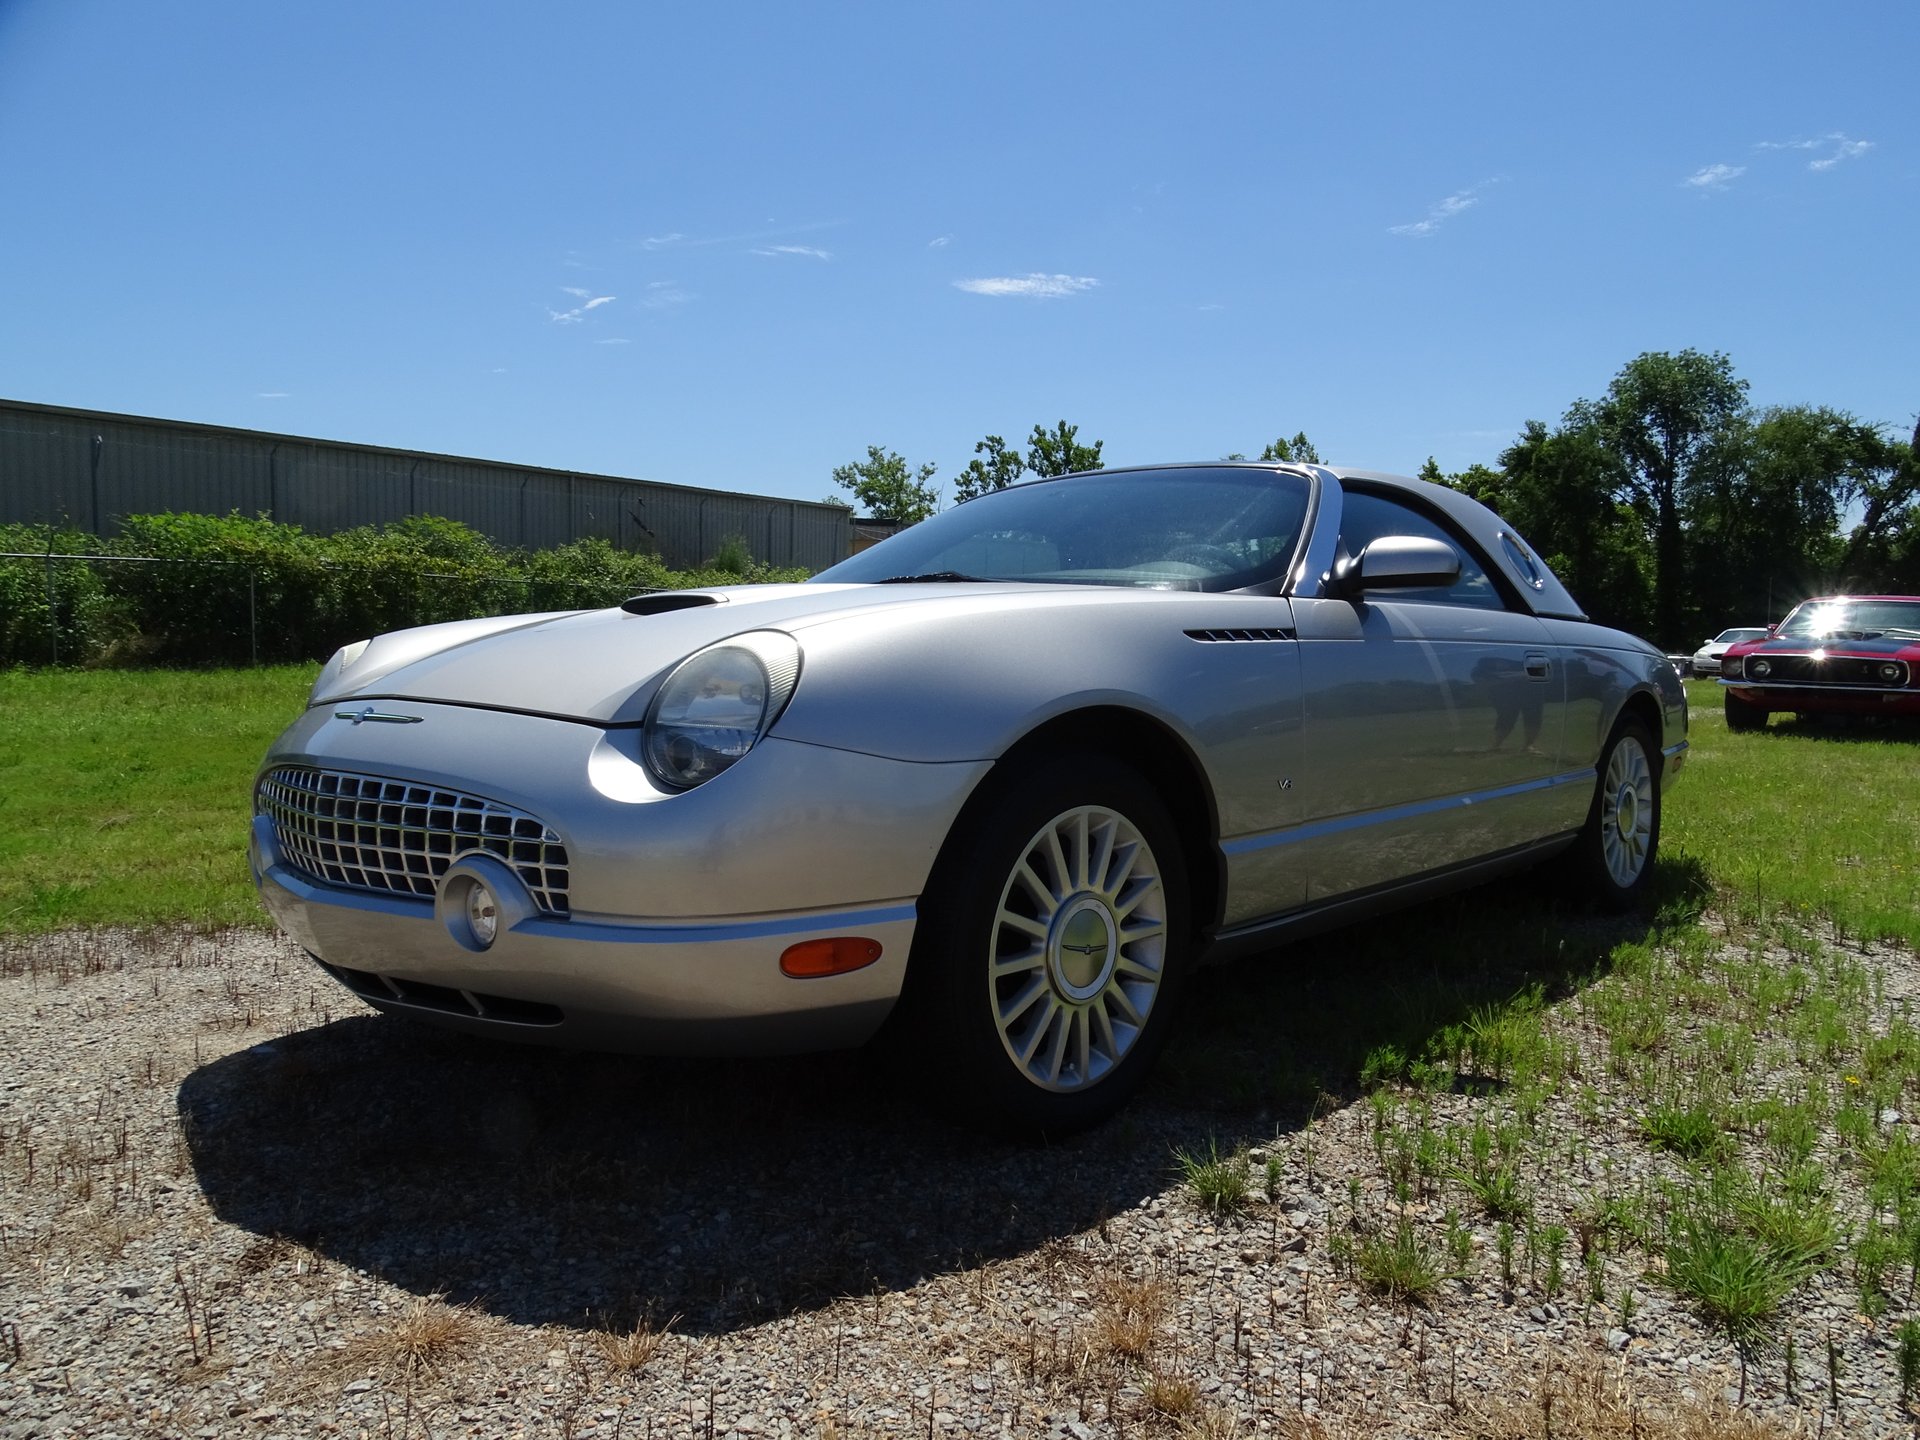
680, 903
1827, 699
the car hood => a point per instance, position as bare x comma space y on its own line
1892, 647
602, 666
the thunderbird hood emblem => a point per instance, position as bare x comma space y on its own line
367, 713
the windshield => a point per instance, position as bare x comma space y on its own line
1853, 620
1184, 529
1734, 637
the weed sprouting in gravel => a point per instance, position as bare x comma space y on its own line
1219, 1183
1400, 1265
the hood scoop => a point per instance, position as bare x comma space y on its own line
659, 602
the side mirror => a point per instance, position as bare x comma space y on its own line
1398, 562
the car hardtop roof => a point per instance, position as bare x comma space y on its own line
1547, 598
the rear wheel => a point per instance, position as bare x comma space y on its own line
1613, 858
1743, 715
1051, 947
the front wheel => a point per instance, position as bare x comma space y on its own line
1051, 946
1742, 714
1613, 859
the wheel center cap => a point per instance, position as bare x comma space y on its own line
1626, 810
1082, 947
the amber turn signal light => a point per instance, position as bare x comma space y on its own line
828, 957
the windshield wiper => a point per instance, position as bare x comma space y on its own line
934, 577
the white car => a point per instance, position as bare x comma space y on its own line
1706, 660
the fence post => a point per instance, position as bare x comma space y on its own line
53, 612
253, 625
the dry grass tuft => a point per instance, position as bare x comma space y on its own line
428, 1334
632, 1350
1584, 1401
1128, 1313
1173, 1393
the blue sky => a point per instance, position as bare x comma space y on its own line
732, 246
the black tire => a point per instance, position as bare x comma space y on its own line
1612, 860
1742, 714
1068, 994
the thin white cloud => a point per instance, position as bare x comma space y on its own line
1832, 148
939, 242
664, 294
579, 312
679, 240
1442, 211
806, 250
614, 340
271, 394
1029, 287
1714, 177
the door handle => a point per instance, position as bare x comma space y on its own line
1537, 666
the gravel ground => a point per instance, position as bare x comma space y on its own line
239, 1203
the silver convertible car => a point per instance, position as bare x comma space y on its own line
999, 783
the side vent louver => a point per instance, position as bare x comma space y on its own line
1226, 637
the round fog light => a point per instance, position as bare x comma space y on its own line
483, 914
1759, 669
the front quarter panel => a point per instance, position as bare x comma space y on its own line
1605, 669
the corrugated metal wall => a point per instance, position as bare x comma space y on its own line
88, 468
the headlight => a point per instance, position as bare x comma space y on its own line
717, 704
1730, 668
1892, 672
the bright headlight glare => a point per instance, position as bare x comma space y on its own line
1760, 669
715, 707
1890, 671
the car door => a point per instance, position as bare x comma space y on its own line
1433, 717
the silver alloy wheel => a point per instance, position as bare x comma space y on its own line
1079, 948
1626, 820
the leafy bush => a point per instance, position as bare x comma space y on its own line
235, 589
239, 589
55, 610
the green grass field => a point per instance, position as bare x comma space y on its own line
125, 794
124, 801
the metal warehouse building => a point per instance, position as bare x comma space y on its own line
87, 468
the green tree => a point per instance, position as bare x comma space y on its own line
1560, 490
1884, 547
887, 489
1670, 420
1298, 449
999, 469
1763, 529
1057, 452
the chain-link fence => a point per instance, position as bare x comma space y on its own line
69, 608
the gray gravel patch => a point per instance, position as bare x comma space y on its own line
238, 1202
